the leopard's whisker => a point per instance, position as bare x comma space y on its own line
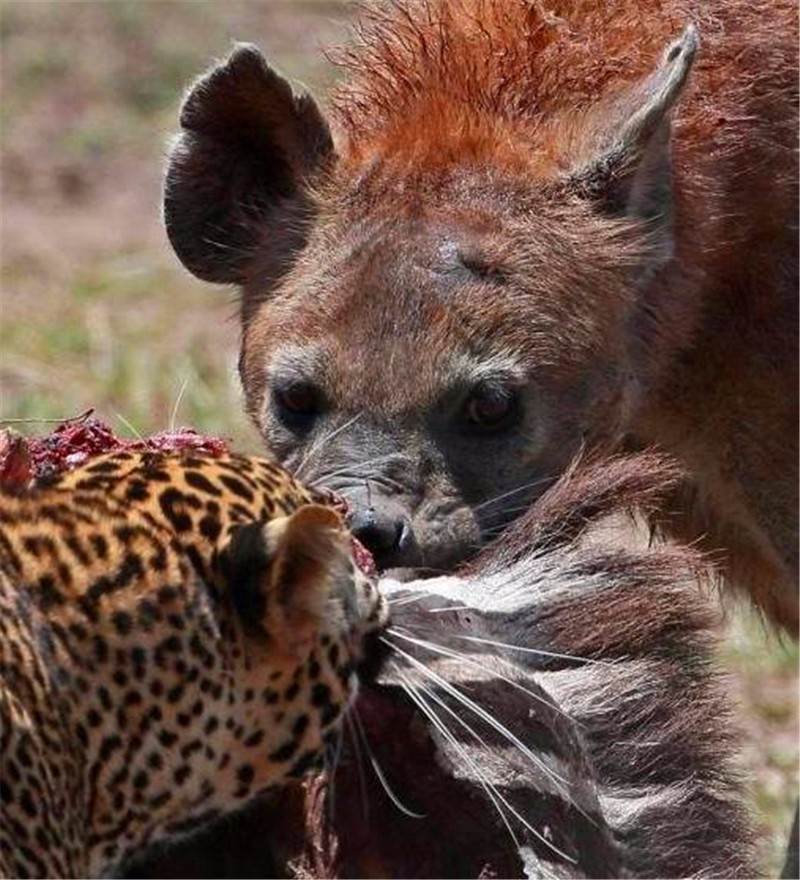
495, 674
471, 661
485, 716
398, 601
509, 806
491, 790
380, 774
540, 651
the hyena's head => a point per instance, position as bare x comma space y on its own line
436, 317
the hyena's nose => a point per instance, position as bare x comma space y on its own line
386, 534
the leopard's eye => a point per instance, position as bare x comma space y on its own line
297, 405
491, 407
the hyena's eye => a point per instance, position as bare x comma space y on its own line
492, 407
297, 405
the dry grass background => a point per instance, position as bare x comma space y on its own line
95, 310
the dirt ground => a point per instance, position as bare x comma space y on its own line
95, 310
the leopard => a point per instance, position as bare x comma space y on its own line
179, 634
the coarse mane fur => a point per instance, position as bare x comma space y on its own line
456, 79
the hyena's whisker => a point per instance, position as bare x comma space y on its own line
507, 734
379, 479
354, 471
361, 471
466, 659
500, 520
508, 805
318, 445
522, 488
554, 654
507, 511
491, 791
380, 774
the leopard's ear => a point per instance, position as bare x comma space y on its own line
236, 175
279, 577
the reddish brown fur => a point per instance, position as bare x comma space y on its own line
465, 124
446, 84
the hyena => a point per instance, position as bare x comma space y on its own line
519, 231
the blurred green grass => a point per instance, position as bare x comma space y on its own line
764, 681
96, 312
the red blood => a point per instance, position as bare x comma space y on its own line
76, 440
363, 558
185, 440
15, 460
23, 459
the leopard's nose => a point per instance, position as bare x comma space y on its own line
387, 534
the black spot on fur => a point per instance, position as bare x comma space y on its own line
99, 545
172, 503
254, 739
136, 490
320, 695
122, 622
167, 738
27, 803
167, 594
235, 485
109, 745
200, 482
243, 564
245, 774
140, 780
210, 528
285, 752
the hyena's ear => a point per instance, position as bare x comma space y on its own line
280, 576
625, 164
236, 173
